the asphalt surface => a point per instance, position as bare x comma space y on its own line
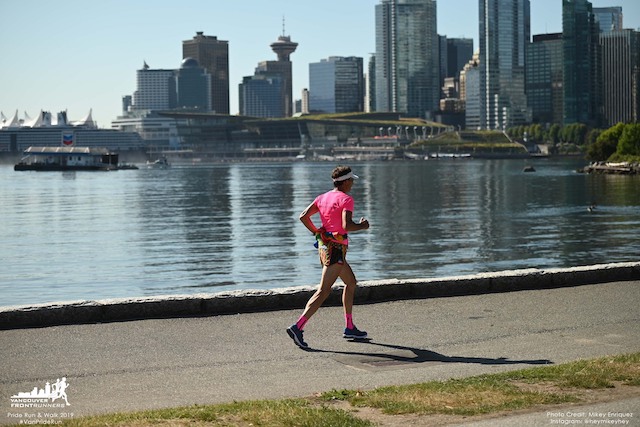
134, 365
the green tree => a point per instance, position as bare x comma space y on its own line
554, 133
629, 142
606, 144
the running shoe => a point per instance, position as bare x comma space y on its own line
296, 336
354, 333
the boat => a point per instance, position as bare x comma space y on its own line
161, 163
67, 159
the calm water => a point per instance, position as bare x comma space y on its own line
93, 235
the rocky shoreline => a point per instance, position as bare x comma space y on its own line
621, 168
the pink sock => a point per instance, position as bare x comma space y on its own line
301, 322
349, 319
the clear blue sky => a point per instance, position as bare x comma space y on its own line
77, 55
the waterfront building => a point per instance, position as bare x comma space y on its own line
609, 18
261, 96
582, 69
544, 78
155, 89
156, 131
407, 71
504, 36
370, 85
620, 76
304, 108
336, 85
268, 77
470, 92
213, 55
47, 130
283, 48
193, 86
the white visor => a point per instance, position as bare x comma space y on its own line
346, 177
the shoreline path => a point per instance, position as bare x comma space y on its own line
181, 353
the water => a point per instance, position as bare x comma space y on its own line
94, 235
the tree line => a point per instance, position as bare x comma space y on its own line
618, 143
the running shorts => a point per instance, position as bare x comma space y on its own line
332, 253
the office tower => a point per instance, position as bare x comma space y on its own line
370, 85
261, 96
620, 76
213, 55
470, 91
582, 72
193, 85
336, 85
458, 53
609, 18
271, 76
407, 68
544, 82
155, 89
504, 35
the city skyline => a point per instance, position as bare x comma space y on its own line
75, 56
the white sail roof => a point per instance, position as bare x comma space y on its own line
13, 122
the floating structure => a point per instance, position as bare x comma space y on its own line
67, 159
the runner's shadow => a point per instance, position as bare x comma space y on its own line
421, 356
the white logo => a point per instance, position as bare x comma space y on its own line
39, 397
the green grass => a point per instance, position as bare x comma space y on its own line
484, 394
267, 413
472, 396
498, 392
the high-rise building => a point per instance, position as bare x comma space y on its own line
213, 55
155, 89
544, 81
193, 85
470, 91
261, 96
505, 28
336, 85
271, 76
609, 18
582, 70
620, 76
283, 48
370, 85
458, 53
407, 63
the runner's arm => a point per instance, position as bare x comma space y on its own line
306, 215
349, 225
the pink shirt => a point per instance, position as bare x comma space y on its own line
331, 205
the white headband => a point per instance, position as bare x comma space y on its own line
346, 177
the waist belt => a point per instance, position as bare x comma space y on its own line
325, 236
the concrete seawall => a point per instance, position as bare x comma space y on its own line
123, 309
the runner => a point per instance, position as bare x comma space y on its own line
335, 208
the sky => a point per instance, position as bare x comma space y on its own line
77, 55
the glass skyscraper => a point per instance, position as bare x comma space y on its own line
609, 18
505, 31
193, 85
336, 85
544, 82
582, 70
620, 76
407, 63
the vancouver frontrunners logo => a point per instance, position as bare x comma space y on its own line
43, 398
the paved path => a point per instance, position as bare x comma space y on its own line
157, 363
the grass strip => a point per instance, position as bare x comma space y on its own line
499, 392
477, 395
